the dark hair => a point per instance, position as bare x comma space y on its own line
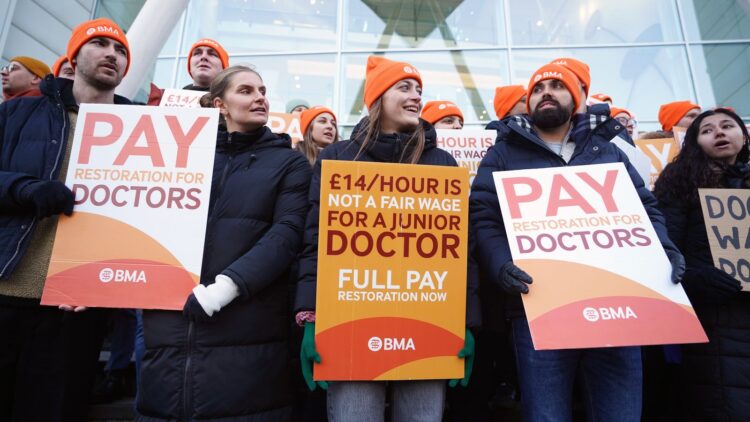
415, 144
692, 169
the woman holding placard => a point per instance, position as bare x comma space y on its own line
716, 375
391, 133
226, 356
319, 129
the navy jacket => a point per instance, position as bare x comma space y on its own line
517, 147
237, 365
385, 149
33, 136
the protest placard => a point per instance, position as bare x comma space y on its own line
285, 123
391, 291
468, 146
601, 277
141, 177
660, 152
181, 98
726, 213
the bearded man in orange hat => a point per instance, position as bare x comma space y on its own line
48, 361
552, 135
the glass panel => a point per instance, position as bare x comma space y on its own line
716, 19
468, 78
722, 77
565, 22
122, 12
382, 24
163, 73
247, 26
637, 78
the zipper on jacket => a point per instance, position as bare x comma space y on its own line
186, 384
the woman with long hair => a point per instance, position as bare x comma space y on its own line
319, 129
226, 356
715, 375
391, 133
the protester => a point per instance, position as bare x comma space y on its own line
582, 72
296, 106
226, 356
716, 375
604, 98
392, 132
62, 68
624, 117
22, 76
553, 135
49, 356
443, 115
678, 113
509, 101
318, 127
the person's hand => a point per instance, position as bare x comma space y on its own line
707, 284
71, 308
678, 264
205, 301
513, 279
48, 197
308, 356
194, 311
467, 354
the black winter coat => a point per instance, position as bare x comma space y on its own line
715, 375
517, 147
236, 366
385, 149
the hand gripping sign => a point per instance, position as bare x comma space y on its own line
392, 256
601, 277
142, 180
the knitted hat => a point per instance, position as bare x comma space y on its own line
33, 65
579, 68
555, 71
433, 111
58, 65
296, 102
671, 113
89, 30
307, 116
614, 111
506, 97
602, 97
208, 42
383, 73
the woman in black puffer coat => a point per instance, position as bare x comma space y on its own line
226, 356
715, 375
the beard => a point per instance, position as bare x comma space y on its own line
552, 117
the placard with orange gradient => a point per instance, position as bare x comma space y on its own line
600, 275
392, 257
660, 152
141, 177
285, 123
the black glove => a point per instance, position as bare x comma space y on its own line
678, 264
48, 197
710, 285
513, 279
194, 311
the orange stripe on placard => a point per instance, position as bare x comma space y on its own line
379, 345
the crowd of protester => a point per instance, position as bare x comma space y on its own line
243, 348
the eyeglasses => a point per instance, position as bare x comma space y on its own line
9, 68
625, 121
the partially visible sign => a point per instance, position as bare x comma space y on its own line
660, 152
679, 135
285, 123
181, 98
468, 147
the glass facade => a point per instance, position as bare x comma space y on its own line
643, 53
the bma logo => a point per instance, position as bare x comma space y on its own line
376, 344
122, 276
561, 62
537, 78
556, 75
609, 313
410, 70
446, 105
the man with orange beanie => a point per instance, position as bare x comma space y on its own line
443, 115
582, 72
678, 113
509, 100
552, 136
63, 69
50, 354
21, 78
624, 117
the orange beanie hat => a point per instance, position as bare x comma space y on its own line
208, 42
307, 116
433, 111
579, 68
614, 111
382, 74
562, 74
671, 113
89, 30
33, 65
58, 65
506, 97
602, 97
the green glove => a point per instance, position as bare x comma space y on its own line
467, 354
308, 355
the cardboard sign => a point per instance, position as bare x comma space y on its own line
142, 180
391, 295
601, 277
181, 98
660, 152
468, 147
727, 216
285, 123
